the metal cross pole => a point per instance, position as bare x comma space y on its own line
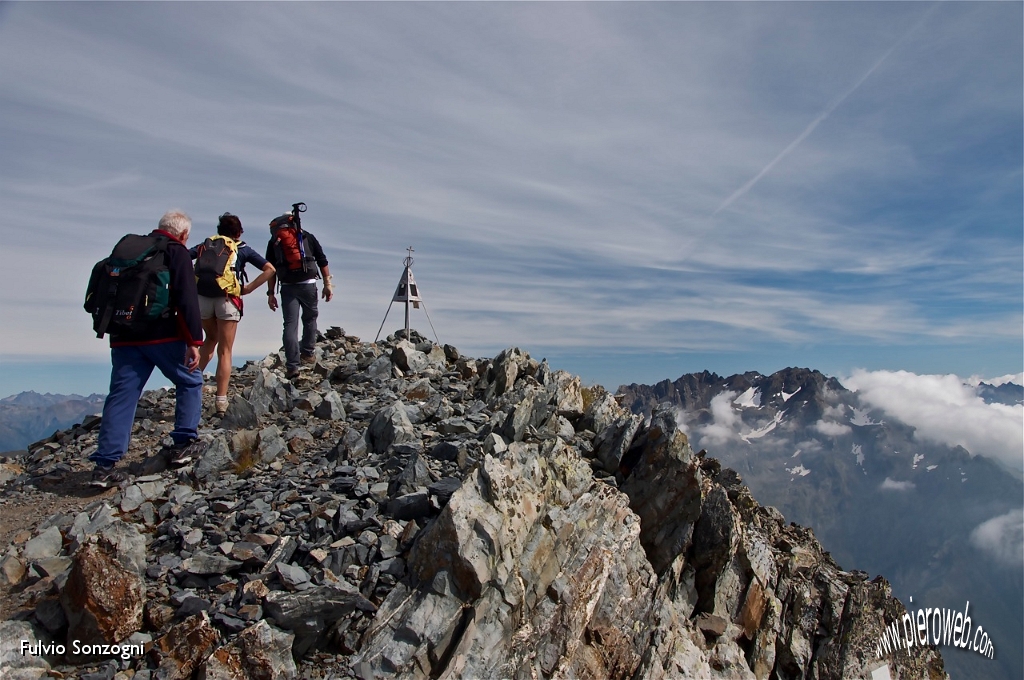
407, 277
409, 293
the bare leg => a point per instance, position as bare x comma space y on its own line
210, 338
226, 340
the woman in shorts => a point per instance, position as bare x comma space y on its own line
221, 314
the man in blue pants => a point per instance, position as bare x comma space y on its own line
170, 343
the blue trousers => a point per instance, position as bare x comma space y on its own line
131, 368
295, 298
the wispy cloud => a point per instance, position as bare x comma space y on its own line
1003, 538
556, 166
894, 485
826, 112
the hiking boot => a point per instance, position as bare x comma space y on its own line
106, 478
291, 373
221, 407
307, 359
183, 455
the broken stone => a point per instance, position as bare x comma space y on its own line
214, 460
308, 613
13, 663
390, 426
410, 506
261, 651
241, 415
102, 598
184, 648
331, 408
208, 563
12, 570
46, 544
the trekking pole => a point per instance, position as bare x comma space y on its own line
296, 209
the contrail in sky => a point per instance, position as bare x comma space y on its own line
822, 116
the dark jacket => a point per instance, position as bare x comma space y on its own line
313, 250
183, 322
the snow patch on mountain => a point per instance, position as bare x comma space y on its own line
749, 399
760, 432
860, 418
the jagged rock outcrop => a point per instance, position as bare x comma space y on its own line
444, 517
829, 459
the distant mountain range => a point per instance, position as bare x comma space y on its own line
30, 416
942, 525
1007, 393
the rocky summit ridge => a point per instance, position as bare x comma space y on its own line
400, 510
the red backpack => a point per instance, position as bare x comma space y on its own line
293, 263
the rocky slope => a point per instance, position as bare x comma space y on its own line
880, 496
401, 511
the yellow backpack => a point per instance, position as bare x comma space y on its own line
215, 264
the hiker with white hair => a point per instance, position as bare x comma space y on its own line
144, 297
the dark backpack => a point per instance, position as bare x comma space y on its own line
216, 267
293, 263
131, 288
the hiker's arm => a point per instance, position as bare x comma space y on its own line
184, 298
271, 298
328, 284
268, 271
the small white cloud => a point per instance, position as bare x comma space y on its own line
682, 420
945, 409
892, 485
832, 429
834, 412
1002, 537
726, 424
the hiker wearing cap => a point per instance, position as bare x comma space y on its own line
144, 296
221, 283
299, 261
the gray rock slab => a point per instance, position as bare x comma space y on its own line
46, 544
215, 460
241, 415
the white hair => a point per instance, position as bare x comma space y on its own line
176, 223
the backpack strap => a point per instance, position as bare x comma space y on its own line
243, 278
108, 312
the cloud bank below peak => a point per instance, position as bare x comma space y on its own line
945, 409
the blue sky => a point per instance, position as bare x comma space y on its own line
634, 191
